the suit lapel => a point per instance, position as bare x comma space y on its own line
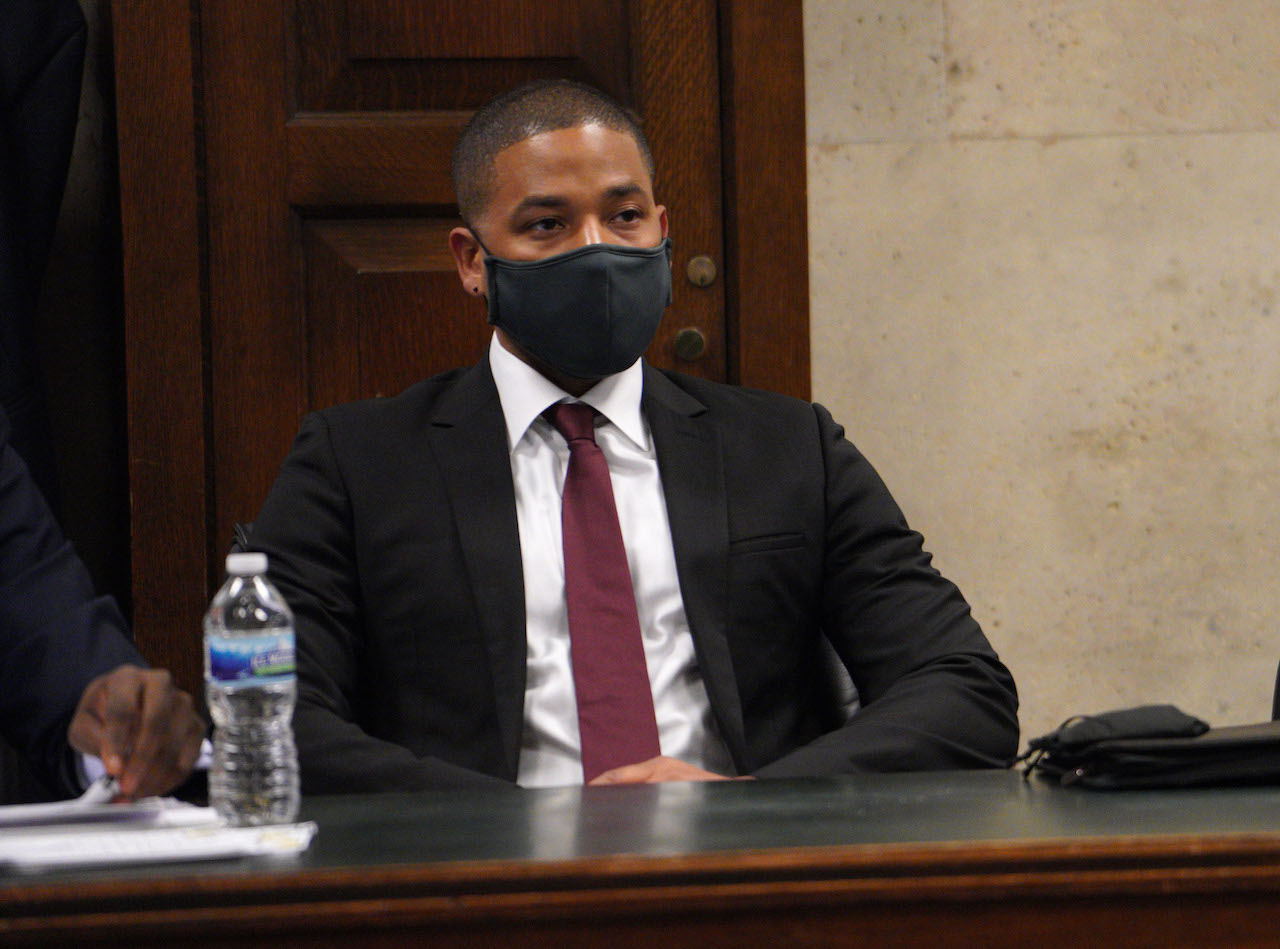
687, 442
469, 439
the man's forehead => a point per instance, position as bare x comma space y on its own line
583, 150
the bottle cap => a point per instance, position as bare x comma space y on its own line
242, 565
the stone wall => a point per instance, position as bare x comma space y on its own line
1044, 242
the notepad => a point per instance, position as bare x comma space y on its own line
151, 811
84, 832
29, 851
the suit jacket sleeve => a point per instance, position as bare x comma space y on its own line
306, 528
56, 636
933, 692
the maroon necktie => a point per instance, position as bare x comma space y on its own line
615, 702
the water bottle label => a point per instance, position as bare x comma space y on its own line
259, 659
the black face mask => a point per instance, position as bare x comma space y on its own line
589, 312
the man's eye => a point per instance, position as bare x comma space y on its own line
629, 216
544, 224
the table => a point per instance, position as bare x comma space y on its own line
943, 859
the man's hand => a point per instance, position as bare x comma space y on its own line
142, 726
655, 770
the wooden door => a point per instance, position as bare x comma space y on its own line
286, 198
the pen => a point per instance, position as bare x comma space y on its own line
101, 791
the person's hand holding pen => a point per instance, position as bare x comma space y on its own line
143, 728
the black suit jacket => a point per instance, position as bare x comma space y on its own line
55, 635
392, 531
42, 46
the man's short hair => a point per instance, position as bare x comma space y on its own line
543, 106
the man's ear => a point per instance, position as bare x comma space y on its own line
468, 256
662, 218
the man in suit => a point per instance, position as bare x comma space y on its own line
422, 544
70, 679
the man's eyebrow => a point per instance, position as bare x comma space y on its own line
540, 201
625, 190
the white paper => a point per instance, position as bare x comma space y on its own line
151, 811
84, 833
30, 850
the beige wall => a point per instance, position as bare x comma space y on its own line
1045, 244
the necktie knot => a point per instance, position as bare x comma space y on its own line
573, 420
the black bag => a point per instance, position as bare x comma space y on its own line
1155, 746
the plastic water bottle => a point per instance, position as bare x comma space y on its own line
251, 687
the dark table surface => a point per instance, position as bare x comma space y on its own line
677, 819
931, 810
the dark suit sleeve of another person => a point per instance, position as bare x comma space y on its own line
42, 45
933, 692
56, 636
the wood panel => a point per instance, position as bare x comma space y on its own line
676, 100
163, 249
374, 290
356, 55
387, 29
766, 222
254, 316
371, 159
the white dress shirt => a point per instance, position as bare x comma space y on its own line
550, 752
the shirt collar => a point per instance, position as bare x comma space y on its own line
526, 393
